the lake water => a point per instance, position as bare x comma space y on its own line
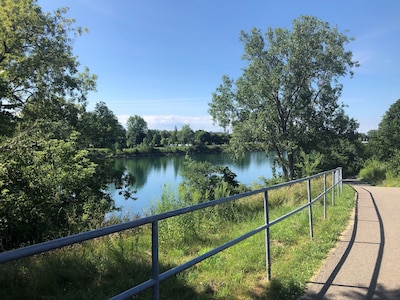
153, 173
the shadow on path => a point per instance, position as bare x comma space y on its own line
357, 292
375, 275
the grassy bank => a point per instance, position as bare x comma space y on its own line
104, 267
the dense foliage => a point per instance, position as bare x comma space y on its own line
36, 59
386, 141
382, 148
139, 135
136, 132
101, 129
287, 96
47, 189
203, 182
50, 184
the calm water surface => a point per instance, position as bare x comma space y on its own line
153, 173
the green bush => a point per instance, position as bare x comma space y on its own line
49, 188
392, 177
373, 172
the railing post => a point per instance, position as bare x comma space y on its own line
310, 208
337, 183
333, 187
267, 237
341, 179
324, 196
155, 272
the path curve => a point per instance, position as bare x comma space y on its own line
366, 262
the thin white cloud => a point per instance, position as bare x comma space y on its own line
186, 101
168, 122
371, 52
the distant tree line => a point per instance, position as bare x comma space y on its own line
138, 133
100, 129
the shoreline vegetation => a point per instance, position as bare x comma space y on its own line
104, 267
146, 151
173, 150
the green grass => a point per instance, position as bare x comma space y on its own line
104, 267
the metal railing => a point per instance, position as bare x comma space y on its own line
154, 282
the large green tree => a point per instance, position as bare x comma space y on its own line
101, 128
49, 185
136, 130
385, 144
36, 59
202, 137
185, 135
287, 96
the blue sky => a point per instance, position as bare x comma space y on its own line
162, 60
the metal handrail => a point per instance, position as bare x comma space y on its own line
154, 219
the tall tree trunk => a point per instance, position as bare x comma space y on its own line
282, 162
291, 166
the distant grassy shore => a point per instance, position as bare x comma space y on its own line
144, 151
104, 267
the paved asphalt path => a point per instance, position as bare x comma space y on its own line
366, 262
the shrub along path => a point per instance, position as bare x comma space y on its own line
366, 263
